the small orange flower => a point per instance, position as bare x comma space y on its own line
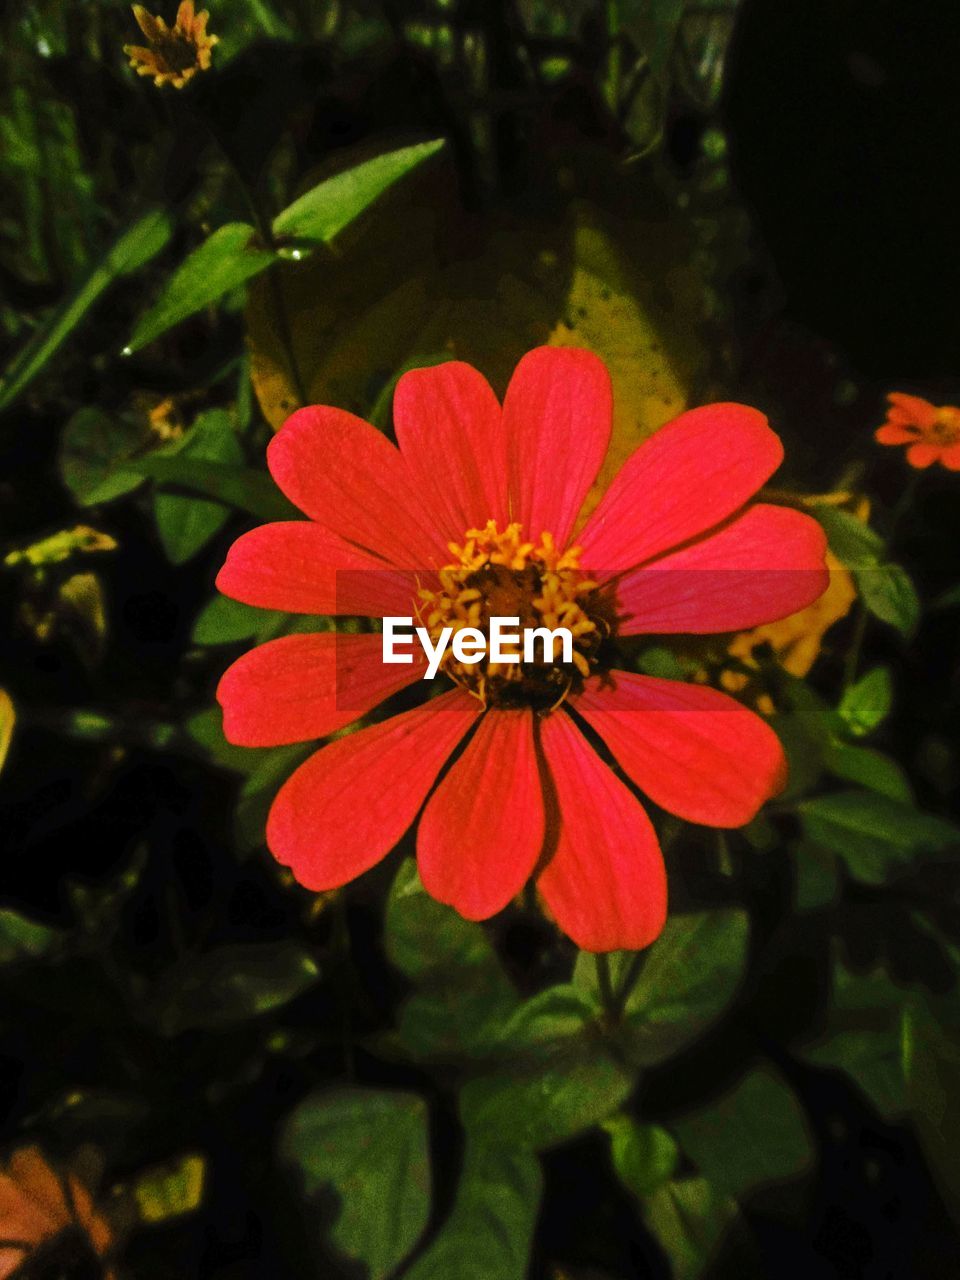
931, 432
48, 1220
172, 54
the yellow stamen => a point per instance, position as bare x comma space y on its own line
500, 573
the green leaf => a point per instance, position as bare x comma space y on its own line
271, 768
888, 593
851, 541
689, 976
223, 262
332, 205
225, 621
868, 768
93, 448
136, 246
817, 881
241, 487
490, 1228
463, 996
866, 704
371, 1148
931, 1068
551, 1072
644, 1155
691, 1220
753, 1135
541, 1100
875, 836
233, 984
862, 1037
186, 525
25, 939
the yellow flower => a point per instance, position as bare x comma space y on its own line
172, 54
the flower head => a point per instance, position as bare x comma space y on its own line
48, 1221
172, 54
930, 432
476, 515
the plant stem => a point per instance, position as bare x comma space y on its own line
605, 985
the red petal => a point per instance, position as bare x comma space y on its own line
557, 416
306, 686
342, 472
693, 750
346, 807
300, 567
605, 885
914, 408
764, 565
951, 457
449, 429
482, 830
694, 473
923, 455
895, 433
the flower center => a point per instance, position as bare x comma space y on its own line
946, 426
177, 48
498, 574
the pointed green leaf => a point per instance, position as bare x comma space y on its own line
331, 205
644, 1155
866, 704
227, 259
136, 246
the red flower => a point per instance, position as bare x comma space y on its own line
473, 517
46, 1221
931, 432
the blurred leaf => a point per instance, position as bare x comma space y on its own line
8, 718
931, 1068
816, 876
232, 984
333, 204
463, 996
186, 525
866, 704
889, 594
93, 448
225, 260
225, 621
489, 1230
206, 729
272, 767
868, 768
691, 1220
753, 1135
241, 487
371, 1148
862, 1037
136, 246
24, 939
853, 542
873, 834
688, 977
170, 1190
406, 288
644, 1155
